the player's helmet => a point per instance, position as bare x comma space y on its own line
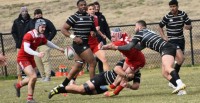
116, 32
39, 22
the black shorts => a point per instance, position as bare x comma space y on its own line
168, 49
179, 43
79, 48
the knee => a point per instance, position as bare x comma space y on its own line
104, 60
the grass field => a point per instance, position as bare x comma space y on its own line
153, 89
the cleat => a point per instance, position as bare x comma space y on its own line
17, 90
109, 94
171, 85
182, 92
31, 101
178, 88
54, 91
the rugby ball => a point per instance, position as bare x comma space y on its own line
69, 53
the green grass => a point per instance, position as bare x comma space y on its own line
153, 89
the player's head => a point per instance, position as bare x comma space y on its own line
173, 4
116, 34
141, 24
82, 6
97, 6
40, 25
91, 9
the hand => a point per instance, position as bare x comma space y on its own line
41, 54
113, 47
62, 50
104, 36
78, 40
100, 45
165, 38
188, 27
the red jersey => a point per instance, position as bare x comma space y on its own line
35, 40
134, 57
92, 41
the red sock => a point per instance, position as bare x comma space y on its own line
19, 84
30, 97
118, 89
112, 86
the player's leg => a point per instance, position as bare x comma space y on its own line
101, 55
167, 62
19, 72
88, 56
31, 73
179, 60
72, 73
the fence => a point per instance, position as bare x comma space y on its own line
153, 58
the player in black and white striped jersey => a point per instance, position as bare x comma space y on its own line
94, 85
175, 21
82, 26
151, 40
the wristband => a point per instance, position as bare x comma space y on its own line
72, 36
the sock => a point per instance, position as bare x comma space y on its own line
173, 82
62, 90
112, 86
177, 67
65, 82
74, 78
118, 89
19, 84
179, 82
30, 97
174, 75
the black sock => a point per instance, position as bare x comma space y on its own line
62, 90
100, 66
65, 82
74, 78
177, 67
173, 81
174, 75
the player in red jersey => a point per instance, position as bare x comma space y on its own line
25, 57
93, 42
134, 61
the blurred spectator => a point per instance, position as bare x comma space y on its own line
17, 31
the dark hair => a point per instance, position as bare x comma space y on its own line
142, 22
96, 3
37, 11
173, 2
91, 4
79, 2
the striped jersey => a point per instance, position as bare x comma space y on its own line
81, 24
149, 39
175, 24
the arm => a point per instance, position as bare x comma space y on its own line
14, 31
65, 31
28, 50
52, 45
107, 31
128, 46
188, 24
160, 28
